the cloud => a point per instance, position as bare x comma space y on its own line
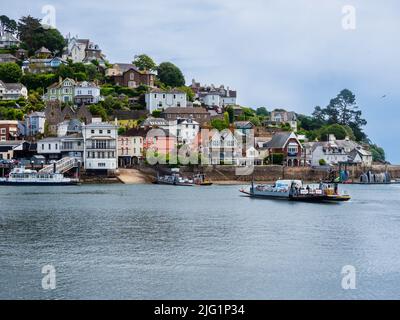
286, 53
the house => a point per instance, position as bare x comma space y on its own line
159, 142
86, 93
100, 147
50, 148
218, 147
244, 127
8, 130
6, 58
158, 99
128, 75
12, 91
7, 39
83, 50
131, 146
43, 53
63, 91
185, 130
151, 123
334, 152
198, 114
329, 152
55, 114
42, 65
280, 117
68, 143
362, 156
212, 96
35, 123
288, 145
70, 91
8, 149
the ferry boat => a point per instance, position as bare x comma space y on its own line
26, 177
294, 190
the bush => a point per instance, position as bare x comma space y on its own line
276, 158
322, 162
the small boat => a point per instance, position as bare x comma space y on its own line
294, 190
26, 177
201, 180
174, 179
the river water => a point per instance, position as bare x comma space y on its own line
163, 242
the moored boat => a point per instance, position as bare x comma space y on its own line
174, 179
26, 177
294, 190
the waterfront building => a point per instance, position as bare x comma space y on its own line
334, 152
288, 145
100, 147
8, 149
8, 130
131, 146
158, 99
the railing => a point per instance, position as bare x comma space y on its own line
61, 166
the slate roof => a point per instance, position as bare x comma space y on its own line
185, 110
278, 141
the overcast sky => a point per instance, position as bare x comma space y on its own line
293, 54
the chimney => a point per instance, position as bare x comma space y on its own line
60, 79
332, 138
227, 92
347, 138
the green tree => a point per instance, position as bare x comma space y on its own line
378, 154
262, 111
9, 25
144, 62
219, 124
34, 36
338, 130
170, 75
10, 72
189, 92
231, 113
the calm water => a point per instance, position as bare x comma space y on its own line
161, 242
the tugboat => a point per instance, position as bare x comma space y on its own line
294, 190
25, 177
201, 180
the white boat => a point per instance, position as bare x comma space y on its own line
26, 177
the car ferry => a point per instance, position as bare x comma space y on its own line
295, 190
25, 177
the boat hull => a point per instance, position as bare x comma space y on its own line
311, 199
11, 183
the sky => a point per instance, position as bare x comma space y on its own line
293, 54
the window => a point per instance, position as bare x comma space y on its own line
3, 130
109, 132
56, 146
101, 131
49, 146
92, 131
42, 146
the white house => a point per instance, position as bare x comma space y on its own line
50, 148
100, 146
12, 91
158, 99
86, 93
186, 130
